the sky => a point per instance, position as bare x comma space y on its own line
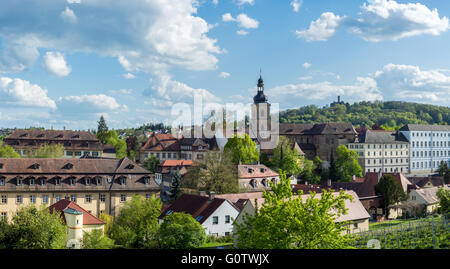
63, 63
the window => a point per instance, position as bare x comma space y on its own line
42, 181
123, 181
123, 198
99, 181
77, 153
215, 220
88, 181
69, 153
88, 198
32, 181
72, 181
57, 198
19, 182
2, 182
227, 219
147, 181
147, 196
19, 199
102, 198
32, 199
57, 181
3, 216
4, 199
45, 199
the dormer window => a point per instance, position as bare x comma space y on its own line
72, 181
262, 170
147, 181
99, 181
1, 166
68, 166
23, 135
34, 166
19, 181
59, 136
31, 181
40, 135
130, 166
88, 181
123, 181
76, 136
2, 181
42, 181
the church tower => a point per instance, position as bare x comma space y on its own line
261, 113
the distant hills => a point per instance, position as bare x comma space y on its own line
390, 115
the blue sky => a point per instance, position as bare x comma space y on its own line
66, 62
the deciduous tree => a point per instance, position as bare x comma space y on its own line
181, 231
242, 149
347, 164
391, 190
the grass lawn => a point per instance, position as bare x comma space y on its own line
392, 223
217, 244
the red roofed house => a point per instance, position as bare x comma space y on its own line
216, 215
161, 146
256, 177
165, 172
77, 219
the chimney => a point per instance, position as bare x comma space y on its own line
329, 182
212, 195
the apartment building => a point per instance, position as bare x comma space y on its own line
382, 151
430, 144
97, 185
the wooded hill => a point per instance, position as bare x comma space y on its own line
390, 115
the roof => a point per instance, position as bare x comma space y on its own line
172, 163
429, 194
88, 174
382, 137
199, 207
436, 181
255, 171
294, 128
425, 127
37, 134
162, 142
72, 208
356, 210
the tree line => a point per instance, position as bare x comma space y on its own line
390, 115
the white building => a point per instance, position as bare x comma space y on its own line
383, 151
429, 145
426, 197
216, 215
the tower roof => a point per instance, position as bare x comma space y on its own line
260, 97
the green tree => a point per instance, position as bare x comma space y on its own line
175, 188
181, 231
309, 172
34, 228
443, 168
444, 200
286, 221
7, 151
137, 225
214, 173
286, 158
49, 151
111, 138
109, 220
242, 149
102, 129
96, 240
151, 163
391, 190
347, 164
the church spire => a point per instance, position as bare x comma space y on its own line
260, 97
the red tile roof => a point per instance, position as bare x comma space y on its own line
169, 163
199, 207
162, 142
255, 171
88, 218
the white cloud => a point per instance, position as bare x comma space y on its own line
224, 74
296, 5
150, 35
89, 104
18, 92
215, 2
243, 20
16, 57
307, 65
407, 82
55, 63
129, 76
74, 1
289, 95
322, 28
69, 16
122, 91
243, 2
305, 78
380, 20
241, 32
246, 22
